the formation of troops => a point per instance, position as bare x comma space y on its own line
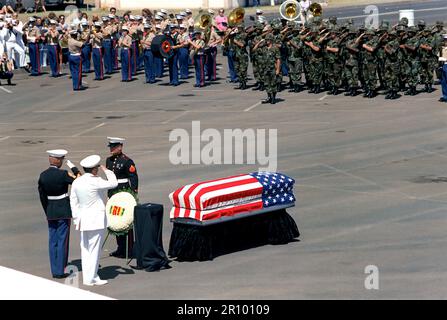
321, 55
333, 57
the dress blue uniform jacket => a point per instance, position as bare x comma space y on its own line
124, 168
55, 182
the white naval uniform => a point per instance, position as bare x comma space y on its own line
88, 202
13, 40
2, 41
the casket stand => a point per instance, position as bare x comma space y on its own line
192, 240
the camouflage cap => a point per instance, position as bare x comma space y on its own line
370, 32
421, 23
412, 30
269, 37
404, 21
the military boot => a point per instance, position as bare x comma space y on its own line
394, 95
262, 87
268, 99
366, 93
317, 89
335, 91
311, 89
243, 86
273, 98
429, 88
389, 95
297, 88
256, 86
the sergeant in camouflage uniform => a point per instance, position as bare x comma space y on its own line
369, 65
380, 53
256, 58
334, 63
392, 67
412, 67
316, 60
295, 60
426, 53
351, 58
277, 41
241, 57
272, 63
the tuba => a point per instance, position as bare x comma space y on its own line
204, 22
236, 16
316, 9
290, 10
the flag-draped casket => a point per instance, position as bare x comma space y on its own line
224, 215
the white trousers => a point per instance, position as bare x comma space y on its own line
13, 49
90, 252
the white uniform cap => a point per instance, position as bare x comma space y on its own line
163, 11
183, 14
115, 140
259, 11
90, 162
158, 26
131, 17
183, 26
73, 31
147, 26
8, 20
188, 11
111, 16
53, 22
98, 24
59, 153
125, 28
210, 11
157, 17
32, 19
179, 17
105, 18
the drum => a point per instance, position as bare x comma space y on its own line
119, 211
162, 46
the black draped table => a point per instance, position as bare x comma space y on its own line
148, 248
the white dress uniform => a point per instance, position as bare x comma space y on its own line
2, 39
13, 46
88, 202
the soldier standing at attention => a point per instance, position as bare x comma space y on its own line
75, 60
98, 62
33, 38
125, 43
149, 66
199, 58
126, 173
351, 69
52, 39
370, 64
87, 48
272, 63
241, 56
53, 191
392, 68
295, 59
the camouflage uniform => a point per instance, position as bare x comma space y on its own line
334, 66
351, 68
316, 64
241, 58
270, 56
412, 68
295, 60
392, 66
369, 65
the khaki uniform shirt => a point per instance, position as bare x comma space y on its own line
74, 46
97, 39
125, 41
147, 40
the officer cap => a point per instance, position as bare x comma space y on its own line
259, 11
32, 19
183, 14
188, 11
211, 11
147, 26
163, 11
105, 19
113, 141
157, 17
53, 22
111, 16
90, 162
183, 26
59, 153
179, 17
125, 28
98, 24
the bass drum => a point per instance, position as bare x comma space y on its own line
162, 46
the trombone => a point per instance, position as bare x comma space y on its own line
290, 10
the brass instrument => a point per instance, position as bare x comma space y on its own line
316, 9
204, 22
290, 10
236, 16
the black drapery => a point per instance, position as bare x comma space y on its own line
148, 248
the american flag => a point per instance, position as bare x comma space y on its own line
233, 195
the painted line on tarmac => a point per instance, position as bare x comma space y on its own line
89, 130
6, 90
5, 138
253, 106
175, 118
322, 98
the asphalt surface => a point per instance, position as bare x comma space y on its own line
370, 185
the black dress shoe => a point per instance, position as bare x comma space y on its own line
442, 99
61, 276
117, 254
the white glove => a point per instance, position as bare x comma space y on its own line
70, 164
76, 222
